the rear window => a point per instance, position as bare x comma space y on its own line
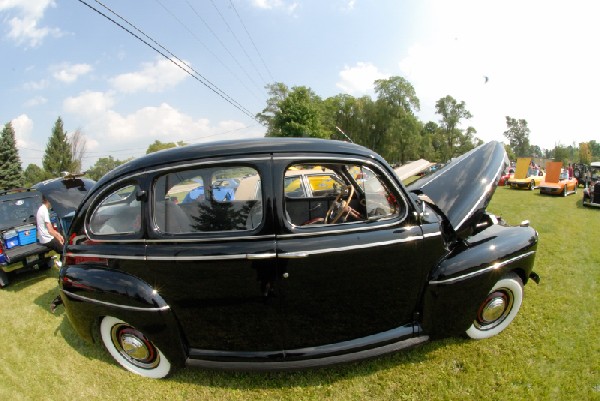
118, 213
16, 209
208, 199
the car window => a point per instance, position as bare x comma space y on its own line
207, 200
118, 213
336, 193
17, 210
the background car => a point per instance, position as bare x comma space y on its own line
507, 175
557, 181
257, 283
527, 175
19, 249
591, 194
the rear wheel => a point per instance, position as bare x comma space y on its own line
498, 309
132, 349
4, 281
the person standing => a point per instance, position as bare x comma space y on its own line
46, 234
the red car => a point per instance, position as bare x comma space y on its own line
508, 173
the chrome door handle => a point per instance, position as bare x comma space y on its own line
293, 255
260, 256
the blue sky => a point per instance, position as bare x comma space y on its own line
61, 58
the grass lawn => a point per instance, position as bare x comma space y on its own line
550, 352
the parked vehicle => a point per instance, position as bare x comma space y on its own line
581, 172
273, 281
591, 194
19, 248
507, 175
526, 176
558, 181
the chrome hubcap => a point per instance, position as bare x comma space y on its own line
493, 310
134, 347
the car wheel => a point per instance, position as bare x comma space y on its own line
498, 309
132, 350
532, 185
565, 191
4, 281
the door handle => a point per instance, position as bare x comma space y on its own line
260, 256
293, 255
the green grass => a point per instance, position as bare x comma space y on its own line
550, 352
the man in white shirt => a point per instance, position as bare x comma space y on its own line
46, 233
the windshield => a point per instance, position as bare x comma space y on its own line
18, 209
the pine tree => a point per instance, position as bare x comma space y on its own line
11, 172
58, 156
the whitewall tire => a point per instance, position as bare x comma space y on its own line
132, 350
498, 309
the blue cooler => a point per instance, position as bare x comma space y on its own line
11, 239
27, 234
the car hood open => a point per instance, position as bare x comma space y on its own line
463, 188
65, 195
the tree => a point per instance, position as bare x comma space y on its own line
517, 134
452, 113
299, 115
11, 172
277, 93
58, 156
78, 149
103, 166
585, 154
561, 154
158, 145
34, 174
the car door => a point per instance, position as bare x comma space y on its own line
352, 279
214, 256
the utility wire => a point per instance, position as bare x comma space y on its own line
197, 76
208, 50
238, 41
252, 41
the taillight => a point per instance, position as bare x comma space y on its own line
75, 258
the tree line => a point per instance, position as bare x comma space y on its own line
387, 124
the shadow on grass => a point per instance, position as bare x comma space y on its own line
20, 279
322, 376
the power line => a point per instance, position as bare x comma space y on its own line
197, 76
252, 41
238, 41
208, 50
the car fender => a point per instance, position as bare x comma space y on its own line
92, 291
464, 277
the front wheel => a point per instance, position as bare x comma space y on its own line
532, 185
132, 349
498, 309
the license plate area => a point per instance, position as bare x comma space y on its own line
31, 259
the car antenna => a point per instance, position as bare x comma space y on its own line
343, 133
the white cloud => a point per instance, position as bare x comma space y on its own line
23, 126
154, 77
89, 104
39, 85
289, 7
24, 28
36, 101
70, 72
358, 80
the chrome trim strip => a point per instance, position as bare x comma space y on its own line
485, 270
199, 258
343, 228
293, 255
110, 304
429, 235
103, 256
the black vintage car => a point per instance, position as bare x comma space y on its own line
319, 256
591, 193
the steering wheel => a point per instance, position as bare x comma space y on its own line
339, 205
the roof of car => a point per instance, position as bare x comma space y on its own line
244, 147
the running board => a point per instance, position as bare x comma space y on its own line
308, 363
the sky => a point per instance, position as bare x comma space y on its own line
196, 70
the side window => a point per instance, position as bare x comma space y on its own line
118, 213
336, 193
208, 199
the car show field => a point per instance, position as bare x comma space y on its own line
550, 351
